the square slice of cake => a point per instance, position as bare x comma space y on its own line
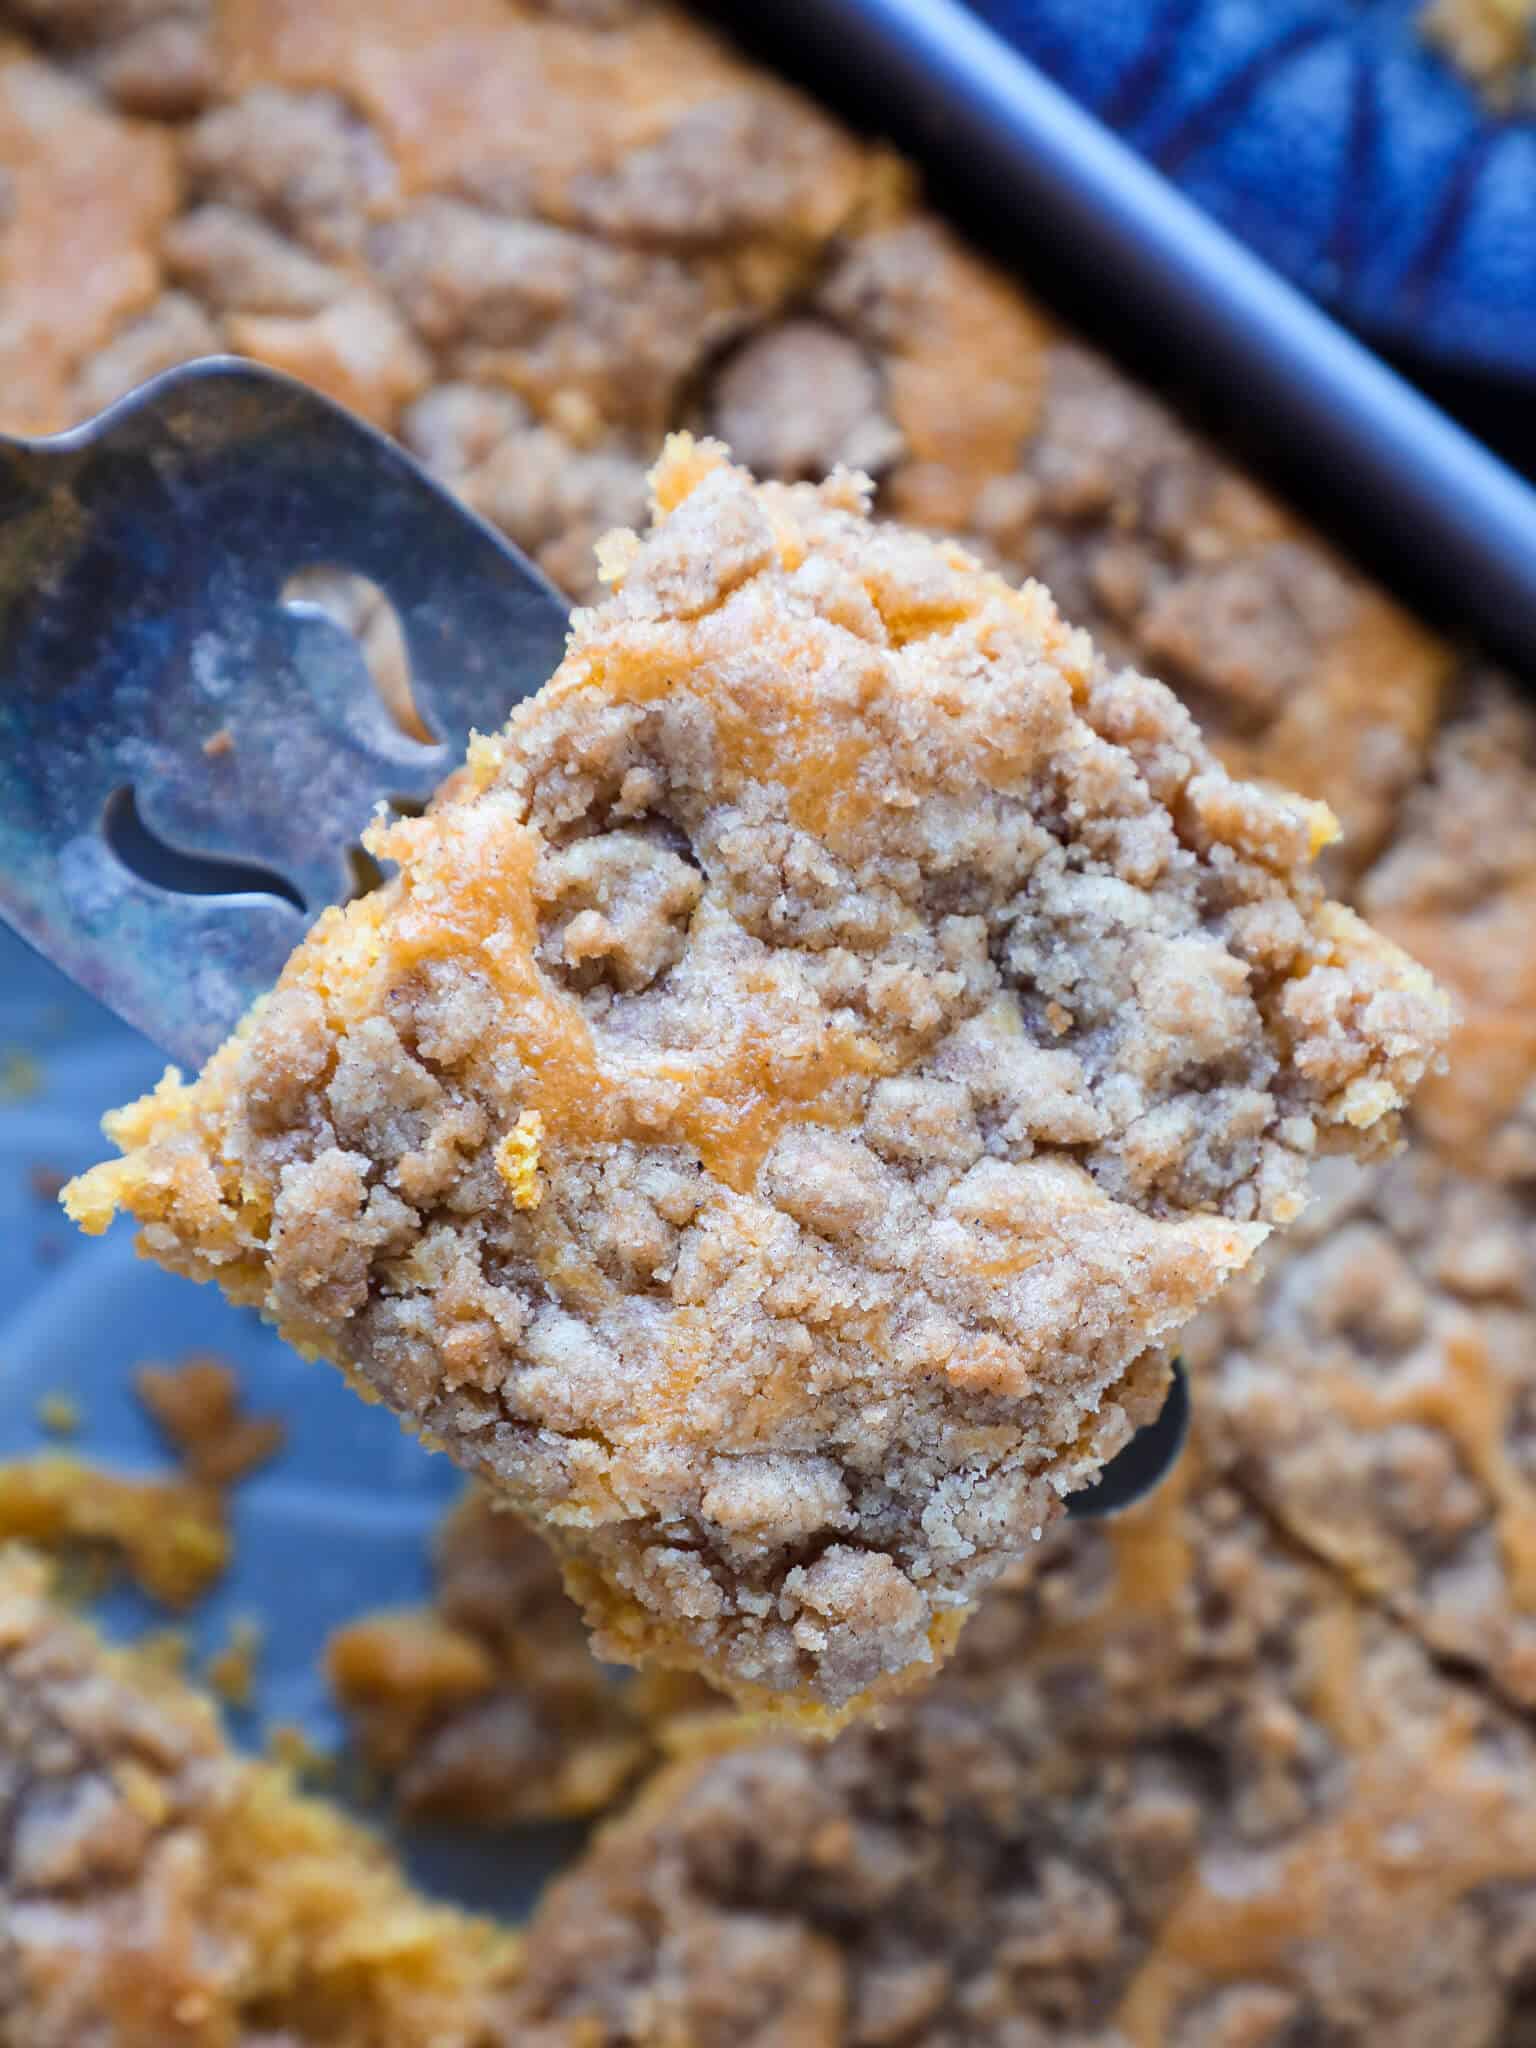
800, 1079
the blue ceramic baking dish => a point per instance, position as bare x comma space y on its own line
341, 1521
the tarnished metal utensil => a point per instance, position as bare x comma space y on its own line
187, 749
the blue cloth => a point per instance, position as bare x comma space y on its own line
1333, 140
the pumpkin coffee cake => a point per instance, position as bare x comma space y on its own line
529, 237
805, 1073
1378, 1385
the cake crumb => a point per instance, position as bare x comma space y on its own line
162, 1650
59, 1414
231, 1671
21, 1077
517, 1160
168, 1534
218, 744
293, 1750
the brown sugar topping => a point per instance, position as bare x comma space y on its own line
729, 1103
1251, 1929
516, 93
1205, 1814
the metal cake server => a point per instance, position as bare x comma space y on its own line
186, 755
188, 751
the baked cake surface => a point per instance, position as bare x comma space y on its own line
1178, 1788
1378, 1383
537, 235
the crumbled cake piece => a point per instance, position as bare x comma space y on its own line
198, 1404
21, 1077
1378, 1395
232, 1671
488, 1708
59, 1414
1176, 1790
919, 1024
157, 1889
168, 1534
